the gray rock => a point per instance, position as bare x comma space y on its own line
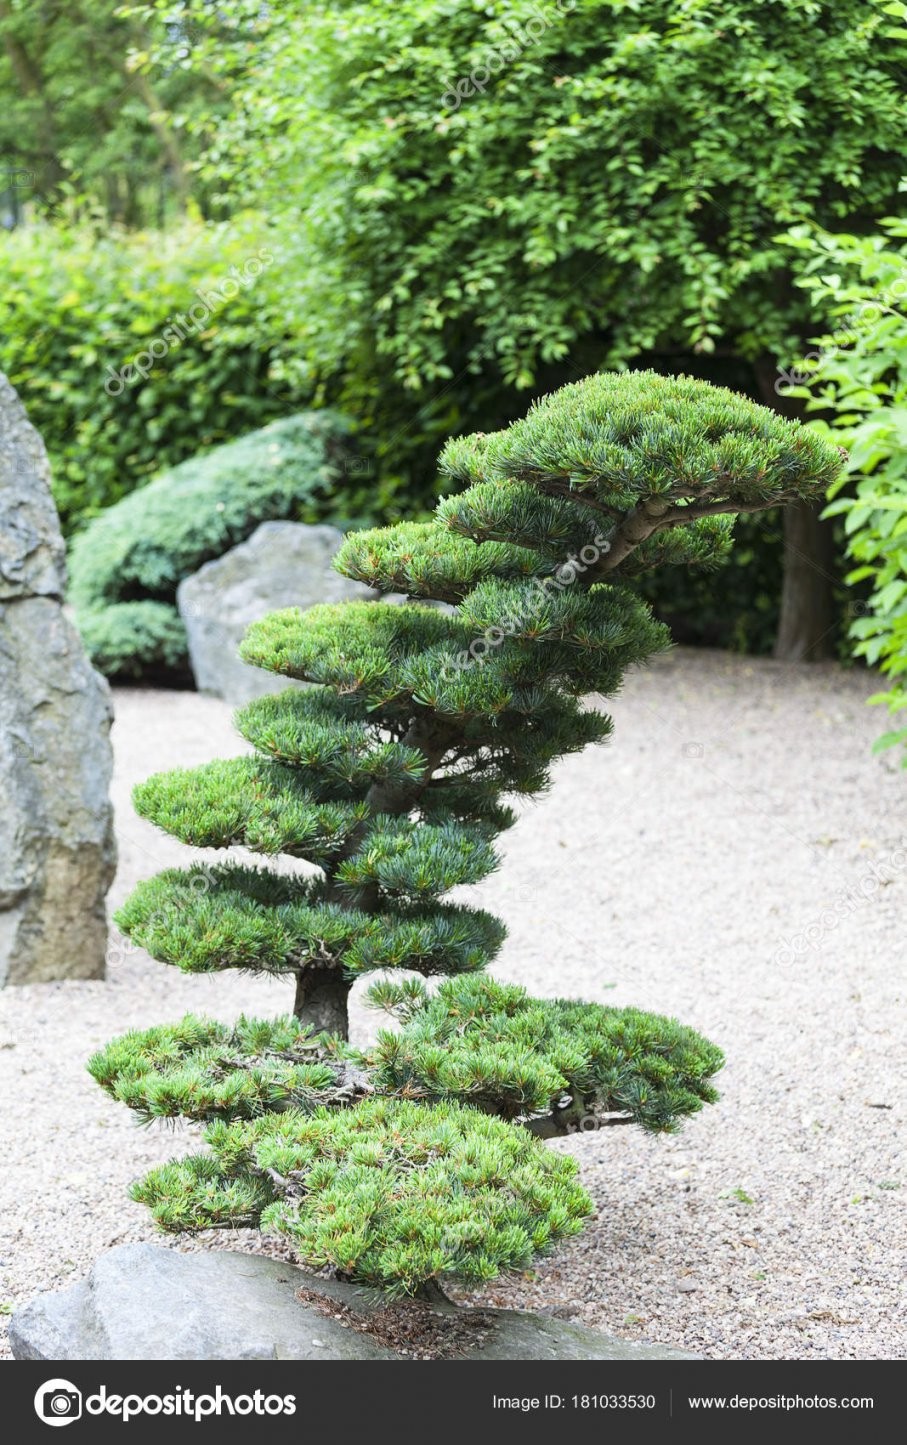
57, 857
32, 552
283, 564
515, 1334
141, 1302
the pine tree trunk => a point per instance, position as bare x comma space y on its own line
807, 621
432, 1291
322, 992
321, 1000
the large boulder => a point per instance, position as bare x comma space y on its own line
283, 564
56, 824
141, 1302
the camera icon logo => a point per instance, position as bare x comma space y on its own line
58, 1402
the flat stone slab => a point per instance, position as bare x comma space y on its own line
143, 1302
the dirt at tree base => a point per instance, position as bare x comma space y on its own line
416, 1329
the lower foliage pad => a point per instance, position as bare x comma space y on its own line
389, 1192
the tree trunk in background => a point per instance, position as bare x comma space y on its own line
31, 83
160, 120
807, 622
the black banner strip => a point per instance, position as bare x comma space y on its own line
202, 1401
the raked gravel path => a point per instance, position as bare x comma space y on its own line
735, 856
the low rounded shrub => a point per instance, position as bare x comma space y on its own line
126, 565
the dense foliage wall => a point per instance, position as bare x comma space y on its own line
134, 351
470, 204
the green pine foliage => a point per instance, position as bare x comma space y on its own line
200, 1069
424, 560
389, 1192
387, 778
492, 1046
620, 438
205, 919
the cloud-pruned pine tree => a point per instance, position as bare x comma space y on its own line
422, 1157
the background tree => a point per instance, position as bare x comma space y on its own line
495, 199
87, 111
471, 205
389, 774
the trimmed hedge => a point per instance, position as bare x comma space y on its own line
79, 308
126, 565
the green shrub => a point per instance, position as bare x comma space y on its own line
857, 375
77, 306
390, 773
132, 640
125, 566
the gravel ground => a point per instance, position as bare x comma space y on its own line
735, 856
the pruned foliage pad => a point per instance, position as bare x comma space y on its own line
475, 1041
390, 1192
380, 786
202, 1070
493, 1046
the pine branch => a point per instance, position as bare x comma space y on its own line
634, 530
